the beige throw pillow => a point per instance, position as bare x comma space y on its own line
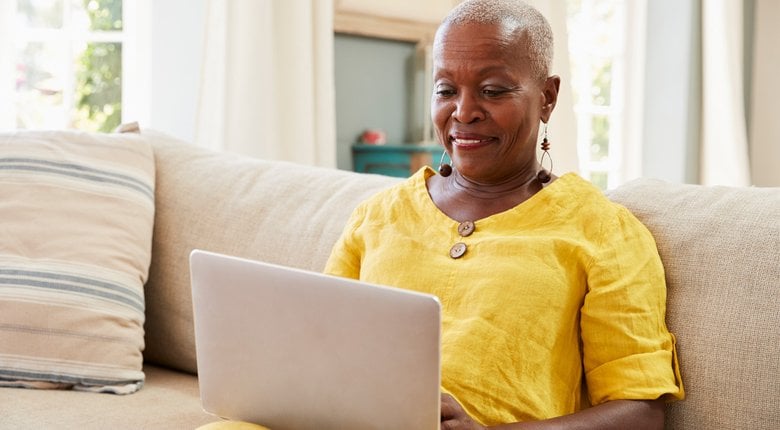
77, 212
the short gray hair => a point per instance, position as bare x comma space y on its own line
517, 12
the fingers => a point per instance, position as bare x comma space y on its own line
453, 417
456, 424
449, 407
449, 425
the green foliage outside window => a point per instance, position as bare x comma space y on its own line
599, 143
99, 71
104, 15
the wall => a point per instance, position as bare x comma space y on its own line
374, 89
424, 11
764, 124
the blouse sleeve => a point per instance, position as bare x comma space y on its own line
346, 255
628, 353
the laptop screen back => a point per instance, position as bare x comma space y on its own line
292, 349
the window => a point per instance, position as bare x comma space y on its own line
66, 59
605, 47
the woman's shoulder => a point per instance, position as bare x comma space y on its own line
579, 199
575, 193
404, 194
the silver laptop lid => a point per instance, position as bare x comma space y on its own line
292, 349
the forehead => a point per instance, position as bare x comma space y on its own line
481, 44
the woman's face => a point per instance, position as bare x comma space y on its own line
486, 105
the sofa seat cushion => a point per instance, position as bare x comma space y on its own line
169, 400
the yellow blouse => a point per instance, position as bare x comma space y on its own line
563, 284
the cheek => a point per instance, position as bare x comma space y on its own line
440, 113
439, 117
514, 118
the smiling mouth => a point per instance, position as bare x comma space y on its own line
469, 143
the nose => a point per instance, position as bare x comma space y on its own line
468, 108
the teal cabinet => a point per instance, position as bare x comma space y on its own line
395, 160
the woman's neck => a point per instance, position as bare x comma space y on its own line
519, 186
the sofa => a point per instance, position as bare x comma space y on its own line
720, 247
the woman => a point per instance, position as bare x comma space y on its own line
547, 288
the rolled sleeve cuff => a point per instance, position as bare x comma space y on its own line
644, 376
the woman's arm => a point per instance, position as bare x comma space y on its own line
616, 414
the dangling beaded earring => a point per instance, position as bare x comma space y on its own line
544, 175
444, 168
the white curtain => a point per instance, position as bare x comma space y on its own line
267, 87
7, 65
724, 149
562, 127
764, 124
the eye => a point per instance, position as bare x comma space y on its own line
444, 91
493, 92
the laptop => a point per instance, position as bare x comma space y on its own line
293, 350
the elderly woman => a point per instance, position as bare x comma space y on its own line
553, 297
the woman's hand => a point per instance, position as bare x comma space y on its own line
616, 414
453, 417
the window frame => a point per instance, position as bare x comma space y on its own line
625, 109
135, 38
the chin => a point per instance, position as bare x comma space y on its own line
469, 169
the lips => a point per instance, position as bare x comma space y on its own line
470, 141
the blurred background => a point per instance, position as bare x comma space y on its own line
681, 90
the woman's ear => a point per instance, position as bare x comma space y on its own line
550, 92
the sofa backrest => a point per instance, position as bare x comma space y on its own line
282, 213
720, 248
721, 251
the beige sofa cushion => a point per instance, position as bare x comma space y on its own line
721, 250
77, 212
169, 400
277, 212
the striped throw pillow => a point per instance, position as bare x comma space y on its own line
77, 211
